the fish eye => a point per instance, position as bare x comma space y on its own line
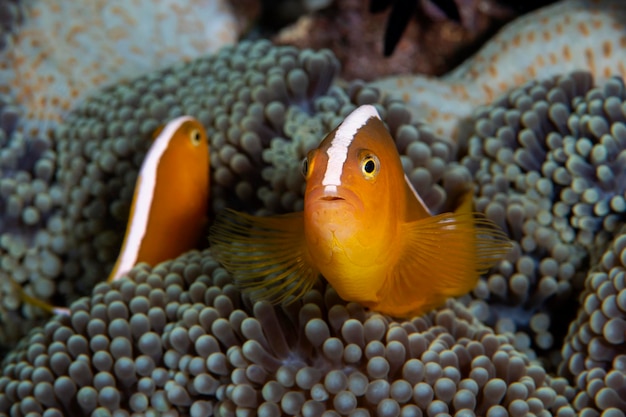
195, 137
370, 165
305, 167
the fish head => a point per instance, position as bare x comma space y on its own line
190, 138
189, 147
355, 193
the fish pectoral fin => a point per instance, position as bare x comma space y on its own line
441, 256
267, 256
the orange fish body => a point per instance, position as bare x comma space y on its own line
364, 228
169, 206
170, 202
354, 209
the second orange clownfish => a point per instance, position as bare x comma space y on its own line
364, 228
170, 202
171, 198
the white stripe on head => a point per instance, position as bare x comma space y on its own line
338, 150
146, 181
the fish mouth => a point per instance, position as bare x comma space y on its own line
331, 196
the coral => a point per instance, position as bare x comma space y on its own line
517, 54
356, 37
179, 340
548, 161
180, 336
65, 50
468, 14
594, 352
30, 238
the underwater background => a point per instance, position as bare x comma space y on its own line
535, 119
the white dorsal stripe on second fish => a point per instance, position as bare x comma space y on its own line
338, 150
144, 190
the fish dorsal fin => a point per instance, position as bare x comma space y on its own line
267, 256
416, 208
442, 256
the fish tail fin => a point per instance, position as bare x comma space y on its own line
36, 302
442, 256
267, 256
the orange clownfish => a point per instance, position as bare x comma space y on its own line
364, 228
170, 202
